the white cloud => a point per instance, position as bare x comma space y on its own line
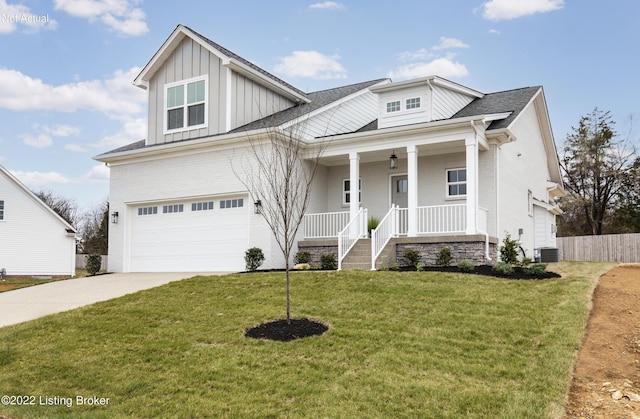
421, 54
496, 10
40, 178
62, 130
443, 67
98, 173
494, 31
38, 141
311, 64
77, 148
327, 5
115, 96
13, 15
120, 15
133, 129
449, 43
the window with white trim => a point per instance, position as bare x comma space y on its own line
185, 104
147, 211
413, 103
1, 210
170, 209
457, 182
232, 203
202, 206
393, 106
346, 192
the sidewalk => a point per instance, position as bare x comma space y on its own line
24, 304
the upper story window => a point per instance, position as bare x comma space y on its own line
456, 182
413, 103
393, 106
186, 104
1, 210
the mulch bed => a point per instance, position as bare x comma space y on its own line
486, 270
281, 331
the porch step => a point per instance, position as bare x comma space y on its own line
359, 257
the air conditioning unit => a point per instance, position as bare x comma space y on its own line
547, 255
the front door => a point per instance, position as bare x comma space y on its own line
399, 190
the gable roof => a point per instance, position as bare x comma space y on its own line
20, 186
229, 59
513, 101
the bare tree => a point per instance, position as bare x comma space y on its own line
95, 229
278, 170
595, 165
64, 207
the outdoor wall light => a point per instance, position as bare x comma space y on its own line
257, 207
114, 217
393, 161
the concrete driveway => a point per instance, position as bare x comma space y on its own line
24, 304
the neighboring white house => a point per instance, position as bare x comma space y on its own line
34, 240
441, 164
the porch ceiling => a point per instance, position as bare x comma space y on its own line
383, 154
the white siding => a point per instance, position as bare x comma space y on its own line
34, 241
251, 101
447, 102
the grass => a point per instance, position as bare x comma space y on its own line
400, 344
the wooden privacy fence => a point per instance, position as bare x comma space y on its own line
605, 248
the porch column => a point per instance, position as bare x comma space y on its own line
354, 177
471, 145
412, 192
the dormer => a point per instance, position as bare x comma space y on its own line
421, 100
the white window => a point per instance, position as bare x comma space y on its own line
202, 206
232, 203
457, 182
186, 104
393, 106
346, 192
413, 103
170, 209
1, 210
147, 211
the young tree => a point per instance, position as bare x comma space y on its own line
595, 164
278, 173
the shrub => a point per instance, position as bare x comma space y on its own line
537, 269
372, 224
328, 261
411, 256
525, 262
302, 257
93, 263
444, 257
395, 267
466, 266
502, 268
253, 258
419, 267
509, 250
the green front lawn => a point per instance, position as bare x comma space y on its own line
400, 344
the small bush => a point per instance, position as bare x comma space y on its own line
411, 257
466, 266
383, 268
93, 263
253, 258
302, 257
395, 267
419, 267
444, 257
537, 269
502, 268
372, 224
328, 261
509, 250
525, 262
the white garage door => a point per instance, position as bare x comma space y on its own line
190, 236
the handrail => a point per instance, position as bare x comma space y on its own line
354, 230
381, 235
324, 225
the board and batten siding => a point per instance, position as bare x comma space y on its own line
250, 101
35, 241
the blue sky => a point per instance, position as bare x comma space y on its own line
66, 66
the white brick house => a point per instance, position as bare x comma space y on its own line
469, 167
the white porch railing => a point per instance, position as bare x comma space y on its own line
354, 230
380, 236
442, 219
324, 225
